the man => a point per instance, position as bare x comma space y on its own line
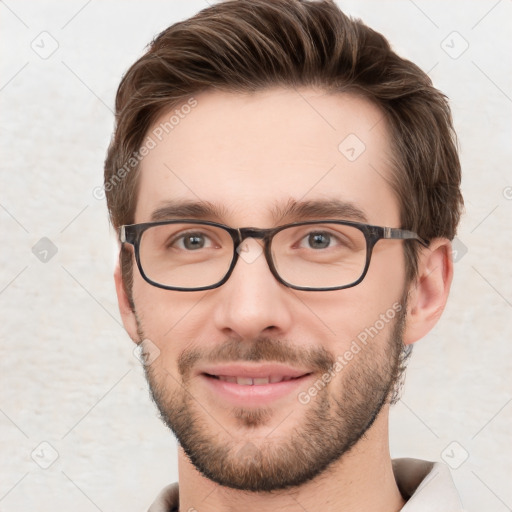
285, 189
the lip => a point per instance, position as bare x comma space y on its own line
253, 370
256, 394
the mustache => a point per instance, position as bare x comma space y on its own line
263, 349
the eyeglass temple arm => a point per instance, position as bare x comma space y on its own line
404, 234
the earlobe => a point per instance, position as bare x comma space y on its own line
125, 306
429, 292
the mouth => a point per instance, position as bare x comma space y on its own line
253, 381
253, 385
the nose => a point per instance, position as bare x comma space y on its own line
252, 302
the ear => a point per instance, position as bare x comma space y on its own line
125, 307
429, 292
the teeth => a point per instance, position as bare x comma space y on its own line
262, 380
227, 378
248, 381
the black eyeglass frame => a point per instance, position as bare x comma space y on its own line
132, 234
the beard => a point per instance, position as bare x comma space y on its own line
330, 424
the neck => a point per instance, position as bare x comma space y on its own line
360, 480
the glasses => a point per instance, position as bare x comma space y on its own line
320, 255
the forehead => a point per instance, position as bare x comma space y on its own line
251, 155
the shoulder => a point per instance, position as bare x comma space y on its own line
167, 500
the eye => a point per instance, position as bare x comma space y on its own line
191, 241
318, 240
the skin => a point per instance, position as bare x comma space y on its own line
247, 152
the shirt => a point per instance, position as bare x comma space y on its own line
427, 487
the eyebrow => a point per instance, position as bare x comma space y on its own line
324, 209
179, 209
292, 211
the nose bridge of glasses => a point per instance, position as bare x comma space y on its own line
245, 233
256, 233
250, 252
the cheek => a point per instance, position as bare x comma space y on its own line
347, 314
163, 315
386, 275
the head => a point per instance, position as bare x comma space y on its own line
242, 114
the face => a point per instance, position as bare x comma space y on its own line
266, 386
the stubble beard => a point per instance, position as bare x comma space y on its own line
334, 421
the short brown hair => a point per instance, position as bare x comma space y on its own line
249, 45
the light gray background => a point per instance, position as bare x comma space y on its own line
68, 374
